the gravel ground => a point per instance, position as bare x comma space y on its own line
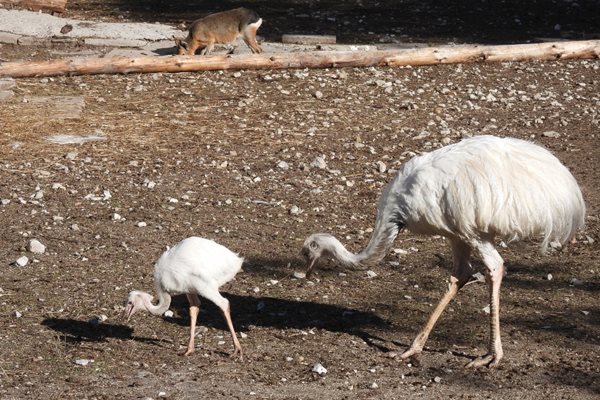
106, 171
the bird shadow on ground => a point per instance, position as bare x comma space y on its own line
277, 313
75, 331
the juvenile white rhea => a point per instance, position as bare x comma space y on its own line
194, 266
471, 192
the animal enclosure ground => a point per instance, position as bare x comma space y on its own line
235, 157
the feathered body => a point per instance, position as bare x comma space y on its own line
471, 192
195, 267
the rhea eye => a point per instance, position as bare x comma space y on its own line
313, 245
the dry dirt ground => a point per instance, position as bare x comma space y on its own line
229, 156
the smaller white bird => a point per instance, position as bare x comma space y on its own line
194, 266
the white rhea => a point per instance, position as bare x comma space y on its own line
471, 192
194, 266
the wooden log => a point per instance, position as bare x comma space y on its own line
308, 39
313, 59
50, 5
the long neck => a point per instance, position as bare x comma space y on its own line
164, 301
387, 226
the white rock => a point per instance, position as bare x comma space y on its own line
57, 186
168, 314
295, 210
142, 224
319, 162
162, 394
237, 74
486, 309
437, 379
318, 94
243, 335
283, 165
5, 202
319, 369
22, 261
381, 167
374, 385
549, 277
299, 275
18, 314
371, 274
585, 312
551, 134
35, 246
117, 217
83, 361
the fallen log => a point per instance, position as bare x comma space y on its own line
312, 59
50, 5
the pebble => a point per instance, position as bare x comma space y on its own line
319, 162
437, 379
299, 275
551, 134
319, 369
295, 210
371, 274
549, 277
168, 314
283, 165
486, 309
83, 361
22, 261
142, 224
35, 246
374, 385
381, 167
318, 94
18, 314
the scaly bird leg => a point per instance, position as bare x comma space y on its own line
494, 275
236, 343
462, 274
194, 311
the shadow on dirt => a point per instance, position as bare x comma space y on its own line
389, 20
248, 312
76, 331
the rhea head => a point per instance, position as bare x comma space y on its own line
316, 246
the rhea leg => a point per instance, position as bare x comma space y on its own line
194, 311
494, 274
214, 296
462, 272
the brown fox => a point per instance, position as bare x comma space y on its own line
222, 27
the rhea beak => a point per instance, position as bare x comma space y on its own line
311, 263
128, 312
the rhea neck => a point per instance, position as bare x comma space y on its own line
164, 301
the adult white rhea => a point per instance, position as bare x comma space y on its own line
471, 192
194, 266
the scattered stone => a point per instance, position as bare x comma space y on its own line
437, 379
319, 369
5, 202
168, 314
56, 186
319, 162
141, 224
551, 134
18, 314
549, 277
576, 282
35, 246
374, 385
295, 210
318, 94
22, 261
486, 309
283, 165
371, 274
585, 312
83, 361
72, 155
381, 167
117, 217
299, 275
